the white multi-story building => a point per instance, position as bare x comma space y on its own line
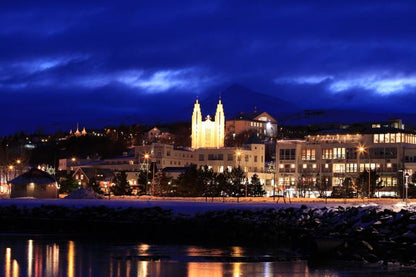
332, 156
251, 158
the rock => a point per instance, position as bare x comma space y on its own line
409, 236
371, 258
367, 245
327, 245
358, 229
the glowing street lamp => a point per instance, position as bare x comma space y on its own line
146, 157
361, 149
406, 184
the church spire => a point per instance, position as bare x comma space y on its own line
77, 132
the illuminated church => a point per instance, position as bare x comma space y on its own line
208, 133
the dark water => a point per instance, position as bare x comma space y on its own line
39, 256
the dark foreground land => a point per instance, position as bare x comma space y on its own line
352, 233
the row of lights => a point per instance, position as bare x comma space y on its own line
18, 162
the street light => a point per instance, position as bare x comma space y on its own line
361, 149
406, 185
146, 157
274, 181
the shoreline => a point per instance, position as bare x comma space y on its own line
364, 234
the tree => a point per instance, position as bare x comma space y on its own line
162, 185
208, 178
145, 176
95, 186
348, 188
412, 178
305, 184
68, 185
187, 182
321, 185
122, 186
223, 186
362, 183
255, 188
236, 179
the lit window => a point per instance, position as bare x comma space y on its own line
314, 166
326, 165
281, 166
292, 165
381, 138
388, 165
338, 168
305, 166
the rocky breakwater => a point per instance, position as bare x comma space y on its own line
367, 234
362, 234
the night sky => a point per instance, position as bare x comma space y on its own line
101, 62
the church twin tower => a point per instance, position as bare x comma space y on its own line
208, 134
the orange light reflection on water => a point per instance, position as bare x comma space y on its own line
15, 268
196, 269
29, 257
7, 265
71, 260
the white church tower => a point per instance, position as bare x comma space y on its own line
208, 133
196, 125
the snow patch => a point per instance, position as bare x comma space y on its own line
83, 194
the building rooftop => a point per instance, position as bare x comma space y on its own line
35, 176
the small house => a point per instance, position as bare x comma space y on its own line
34, 183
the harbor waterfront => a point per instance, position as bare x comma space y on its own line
31, 255
369, 233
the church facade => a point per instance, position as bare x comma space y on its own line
207, 133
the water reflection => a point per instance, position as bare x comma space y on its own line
7, 260
56, 257
29, 257
71, 258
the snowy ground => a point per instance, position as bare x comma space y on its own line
193, 206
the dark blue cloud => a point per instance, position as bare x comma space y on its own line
97, 60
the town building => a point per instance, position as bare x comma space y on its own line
34, 183
125, 162
77, 132
208, 133
104, 177
260, 123
165, 157
159, 135
331, 156
207, 150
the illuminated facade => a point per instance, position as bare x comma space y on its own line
332, 156
208, 133
261, 123
250, 157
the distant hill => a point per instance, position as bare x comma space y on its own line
307, 117
237, 98
174, 107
